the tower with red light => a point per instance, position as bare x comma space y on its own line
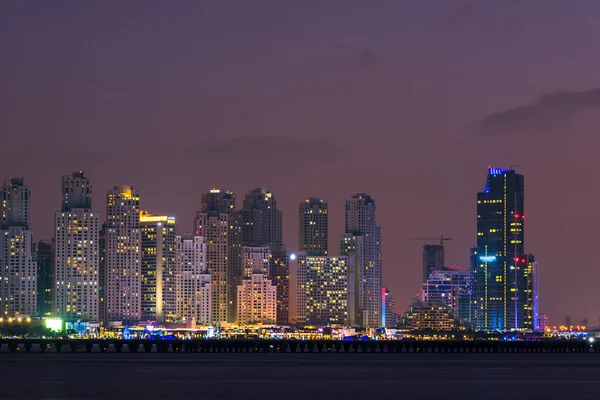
498, 272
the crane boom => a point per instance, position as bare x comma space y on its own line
442, 239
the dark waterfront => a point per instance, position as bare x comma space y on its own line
299, 376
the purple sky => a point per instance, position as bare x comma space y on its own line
175, 97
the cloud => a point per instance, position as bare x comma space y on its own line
549, 112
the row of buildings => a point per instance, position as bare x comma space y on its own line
500, 290
232, 267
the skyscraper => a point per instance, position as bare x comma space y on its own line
499, 283
531, 308
158, 290
433, 259
362, 243
123, 255
261, 220
76, 265
313, 227
77, 257
255, 259
257, 300
297, 270
18, 270
327, 290
212, 223
77, 192
46, 280
389, 318
279, 275
192, 280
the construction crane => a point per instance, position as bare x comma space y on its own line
442, 239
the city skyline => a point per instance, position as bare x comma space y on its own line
359, 215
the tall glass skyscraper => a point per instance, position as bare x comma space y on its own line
499, 275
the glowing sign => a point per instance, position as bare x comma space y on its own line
54, 324
487, 258
496, 171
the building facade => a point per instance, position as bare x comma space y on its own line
327, 290
389, 318
262, 222
46, 280
192, 280
77, 252
428, 316
313, 220
532, 309
451, 288
498, 279
18, 269
158, 290
297, 270
123, 267
279, 275
433, 259
257, 301
362, 243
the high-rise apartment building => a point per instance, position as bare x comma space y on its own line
313, 232
261, 220
102, 274
213, 223
297, 302
531, 307
158, 290
192, 280
123, 255
45, 280
422, 315
279, 275
18, 269
452, 288
498, 278
433, 259
257, 300
389, 318
362, 244
327, 290
76, 192
255, 259
77, 252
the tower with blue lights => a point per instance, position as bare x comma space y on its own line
499, 266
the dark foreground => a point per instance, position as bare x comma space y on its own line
299, 376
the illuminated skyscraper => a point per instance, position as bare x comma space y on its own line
46, 280
362, 244
257, 300
433, 259
18, 269
77, 258
389, 318
313, 222
327, 290
192, 280
158, 290
532, 311
257, 294
123, 255
213, 223
297, 270
255, 259
498, 279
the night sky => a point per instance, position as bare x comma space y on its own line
409, 101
